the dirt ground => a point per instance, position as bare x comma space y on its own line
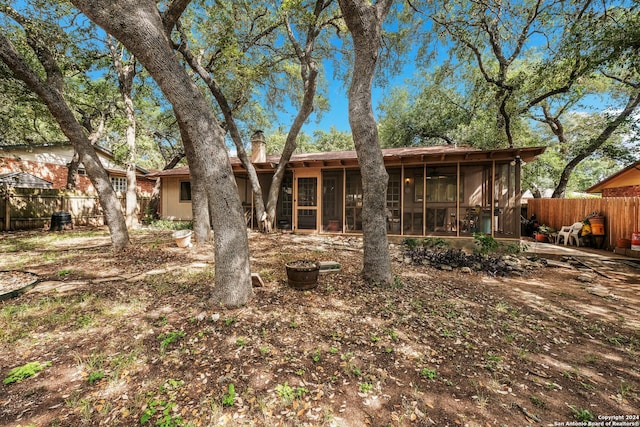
131, 339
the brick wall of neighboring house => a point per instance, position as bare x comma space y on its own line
630, 191
57, 174
145, 185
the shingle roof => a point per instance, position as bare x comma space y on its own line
23, 180
392, 156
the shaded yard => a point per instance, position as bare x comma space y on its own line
131, 339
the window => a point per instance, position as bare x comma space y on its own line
119, 183
185, 191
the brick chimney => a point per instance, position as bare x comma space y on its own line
258, 147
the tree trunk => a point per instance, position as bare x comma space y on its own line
365, 25
229, 118
131, 203
200, 210
72, 171
51, 94
126, 72
137, 25
632, 104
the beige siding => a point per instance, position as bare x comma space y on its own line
630, 178
172, 207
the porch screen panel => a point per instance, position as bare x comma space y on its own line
353, 201
284, 209
307, 196
475, 202
412, 207
442, 199
506, 218
332, 200
394, 198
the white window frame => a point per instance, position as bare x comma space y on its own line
119, 183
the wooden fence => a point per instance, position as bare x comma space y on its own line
25, 209
622, 214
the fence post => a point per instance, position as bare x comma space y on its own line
7, 210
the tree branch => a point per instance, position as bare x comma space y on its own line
173, 13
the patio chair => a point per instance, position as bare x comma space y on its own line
568, 232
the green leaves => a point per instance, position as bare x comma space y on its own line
25, 371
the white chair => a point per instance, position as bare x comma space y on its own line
568, 232
563, 234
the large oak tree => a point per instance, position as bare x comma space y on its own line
50, 88
364, 21
141, 28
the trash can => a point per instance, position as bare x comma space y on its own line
60, 221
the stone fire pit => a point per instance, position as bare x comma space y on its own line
13, 283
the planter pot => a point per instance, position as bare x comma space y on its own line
303, 274
182, 238
541, 237
623, 243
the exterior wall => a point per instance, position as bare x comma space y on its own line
52, 172
55, 154
628, 178
629, 191
57, 174
172, 207
448, 199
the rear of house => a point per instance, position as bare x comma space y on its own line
432, 191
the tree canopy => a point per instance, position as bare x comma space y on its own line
487, 74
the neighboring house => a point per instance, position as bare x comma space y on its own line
625, 183
440, 190
50, 162
23, 180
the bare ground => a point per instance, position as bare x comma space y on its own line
132, 340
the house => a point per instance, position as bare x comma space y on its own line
438, 190
50, 161
625, 183
23, 180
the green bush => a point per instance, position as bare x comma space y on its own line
485, 243
164, 224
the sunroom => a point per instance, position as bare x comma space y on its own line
432, 191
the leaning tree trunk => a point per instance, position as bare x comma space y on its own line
365, 25
227, 112
138, 25
72, 171
51, 93
632, 104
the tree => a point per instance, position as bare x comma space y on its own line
364, 21
433, 114
607, 40
140, 27
50, 89
23, 116
537, 59
333, 140
245, 52
126, 71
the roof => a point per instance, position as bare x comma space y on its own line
392, 157
105, 152
23, 180
626, 177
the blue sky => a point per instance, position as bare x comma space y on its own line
338, 115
